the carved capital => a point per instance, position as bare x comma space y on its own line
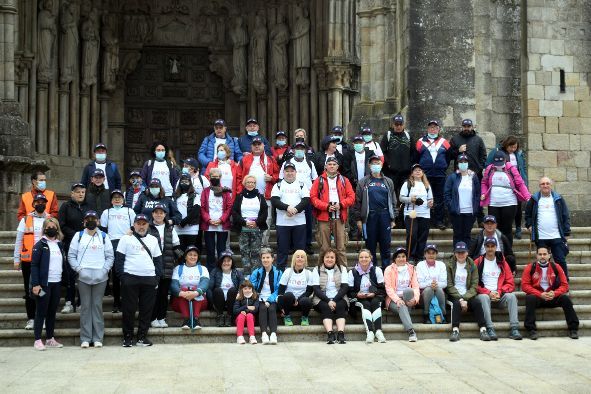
339, 76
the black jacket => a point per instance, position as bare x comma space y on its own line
98, 198
71, 218
475, 150
170, 253
507, 250
243, 304
193, 211
320, 160
399, 152
350, 165
239, 222
146, 203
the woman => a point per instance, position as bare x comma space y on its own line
295, 289
187, 203
135, 189
160, 167
366, 292
417, 197
331, 283
91, 256
250, 219
461, 195
227, 166
265, 280
501, 189
216, 208
47, 266
224, 283
188, 288
510, 146
402, 289
153, 196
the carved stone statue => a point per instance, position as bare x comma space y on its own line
68, 43
47, 34
110, 44
90, 49
301, 38
259, 53
279, 40
239, 37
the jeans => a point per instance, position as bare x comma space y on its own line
215, 244
378, 229
559, 249
46, 309
508, 300
462, 227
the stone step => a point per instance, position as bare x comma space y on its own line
313, 333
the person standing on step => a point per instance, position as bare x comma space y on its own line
367, 292
192, 168
227, 166
432, 277
135, 189
161, 168
280, 147
153, 196
547, 216
225, 280
246, 307
38, 186
265, 281
337, 134
370, 144
295, 289
47, 271
91, 256
328, 151
253, 131
496, 288
112, 179
490, 231
97, 195
545, 286
209, 147
138, 264
187, 201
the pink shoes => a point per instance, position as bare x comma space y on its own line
38, 345
52, 343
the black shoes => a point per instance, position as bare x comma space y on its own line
143, 342
127, 342
455, 336
220, 320
515, 334
484, 335
533, 335
331, 338
341, 337
426, 319
196, 324
573, 334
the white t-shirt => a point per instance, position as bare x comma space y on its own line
290, 194
305, 173
258, 172
227, 179
175, 236
547, 220
226, 284
419, 190
427, 274
181, 203
490, 274
360, 159
375, 147
333, 193
465, 194
544, 279
513, 159
117, 221
136, 197
331, 289
365, 280
137, 260
216, 206
190, 277
103, 166
89, 250
266, 289
218, 142
161, 172
37, 233
295, 283
403, 281
55, 262
196, 181
250, 208
461, 278
501, 193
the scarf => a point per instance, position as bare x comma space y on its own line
250, 193
360, 270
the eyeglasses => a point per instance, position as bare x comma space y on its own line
545, 184
250, 183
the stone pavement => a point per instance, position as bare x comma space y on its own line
547, 365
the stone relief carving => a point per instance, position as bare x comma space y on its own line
279, 40
138, 23
68, 43
219, 64
110, 43
47, 35
259, 53
90, 49
239, 37
129, 63
301, 43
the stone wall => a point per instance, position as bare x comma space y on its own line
558, 101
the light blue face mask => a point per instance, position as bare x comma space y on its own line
222, 155
253, 133
155, 191
160, 155
463, 166
375, 168
358, 147
368, 138
338, 138
185, 170
41, 185
433, 136
100, 156
299, 154
281, 142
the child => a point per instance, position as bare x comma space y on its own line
189, 284
246, 307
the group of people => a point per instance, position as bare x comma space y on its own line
143, 244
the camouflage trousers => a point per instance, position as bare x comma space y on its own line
250, 249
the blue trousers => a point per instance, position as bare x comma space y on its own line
378, 229
215, 244
437, 186
462, 226
287, 236
309, 225
559, 249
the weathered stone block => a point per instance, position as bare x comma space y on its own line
536, 124
572, 175
556, 142
534, 141
572, 79
535, 92
557, 174
569, 125
575, 142
533, 108
585, 126
554, 93
585, 141
573, 188
583, 174
582, 93
539, 45
554, 62
535, 62
543, 78
579, 159
550, 108
557, 47
570, 108
552, 125
585, 109
542, 159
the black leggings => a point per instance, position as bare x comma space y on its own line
371, 305
287, 301
161, 304
116, 280
518, 215
224, 305
29, 299
473, 305
505, 217
46, 309
268, 317
340, 312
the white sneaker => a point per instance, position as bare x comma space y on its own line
68, 307
252, 340
85, 345
265, 338
98, 344
163, 323
412, 335
370, 337
380, 336
273, 339
30, 324
156, 324
240, 340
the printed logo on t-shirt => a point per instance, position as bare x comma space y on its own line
377, 183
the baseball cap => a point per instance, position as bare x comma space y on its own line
256, 140
489, 218
160, 206
330, 159
366, 130
100, 145
490, 240
252, 120
467, 122
289, 164
374, 157
462, 157
337, 129
300, 144
357, 138
433, 121
40, 196
78, 184
91, 214
191, 161
219, 122
499, 158
139, 217
399, 250
224, 254
116, 191
98, 172
155, 181
191, 248
416, 165
280, 133
134, 173
398, 118
430, 247
461, 247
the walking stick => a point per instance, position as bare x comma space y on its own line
191, 313
412, 214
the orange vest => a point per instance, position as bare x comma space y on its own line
28, 240
28, 200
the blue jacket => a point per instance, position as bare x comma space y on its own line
519, 155
129, 194
437, 168
112, 174
40, 263
562, 215
257, 279
206, 152
451, 195
246, 141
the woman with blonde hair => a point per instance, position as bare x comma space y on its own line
295, 289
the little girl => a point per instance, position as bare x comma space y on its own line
246, 307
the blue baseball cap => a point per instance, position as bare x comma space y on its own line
91, 214
337, 129
467, 122
39, 196
491, 240
98, 172
256, 140
461, 247
357, 138
398, 118
139, 217
252, 120
430, 247
219, 122
462, 157
489, 218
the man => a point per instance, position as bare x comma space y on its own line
252, 132
281, 147
138, 264
331, 196
356, 161
433, 156
290, 198
38, 186
209, 146
113, 179
370, 144
495, 288
338, 136
71, 218
328, 149
399, 152
97, 195
546, 286
264, 168
490, 231
547, 216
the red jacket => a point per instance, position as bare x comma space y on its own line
233, 168
530, 284
506, 284
271, 169
226, 209
320, 201
279, 151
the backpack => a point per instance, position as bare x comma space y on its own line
435, 313
199, 267
279, 185
321, 184
556, 283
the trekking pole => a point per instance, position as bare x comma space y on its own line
412, 214
529, 251
191, 313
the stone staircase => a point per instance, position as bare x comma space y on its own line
550, 321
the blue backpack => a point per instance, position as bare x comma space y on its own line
435, 313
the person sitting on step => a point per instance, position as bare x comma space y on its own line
225, 280
245, 309
295, 289
265, 280
432, 277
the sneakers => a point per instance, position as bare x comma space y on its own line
515, 334
98, 344
143, 342
492, 334
115, 309
305, 321
341, 338
185, 325
573, 334
227, 320
52, 343
455, 336
330, 338
484, 335
68, 307
30, 324
127, 342
380, 336
412, 335
196, 324
287, 321
533, 335
155, 323
219, 320
38, 345
265, 338
441, 226
85, 345
518, 233
163, 323
252, 340
240, 340
370, 337
273, 339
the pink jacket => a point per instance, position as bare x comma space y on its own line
226, 209
391, 282
519, 187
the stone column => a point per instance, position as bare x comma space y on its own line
94, 117
283, 111
313, 125
41, 133
378, 69
8, 12
304, 108
104, 122
345, 109
74, 120
84, 123
64, 137
337, 107
52, 127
